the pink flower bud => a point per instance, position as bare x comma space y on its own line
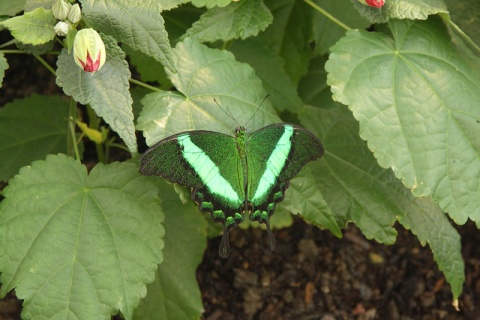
89, 50
373, 3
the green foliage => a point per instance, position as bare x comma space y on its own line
240, 20
232, 84
7, 8
68, 236
175, 294
420, 115
30, 129
139, 24
35, 27
116, 106
405, 151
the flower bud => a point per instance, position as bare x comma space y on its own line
89, 50
60, 9
75, 14
373, 3
61, 28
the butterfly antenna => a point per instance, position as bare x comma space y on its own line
227, 112
258, 108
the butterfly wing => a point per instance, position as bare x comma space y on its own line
209, 163
276, 153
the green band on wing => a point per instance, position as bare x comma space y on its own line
207, 170
275, 164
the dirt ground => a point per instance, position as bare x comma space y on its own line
314, 275
311, 274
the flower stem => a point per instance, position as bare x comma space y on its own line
71, 139
328, 15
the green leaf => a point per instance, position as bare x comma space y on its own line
325, 31
416, 100
401, 9
175, 293
35, 49
303, 197
206, 74
239, 20
139, 24
465, 13
30, 129
269, 67
170, 4
178, 21
34, 27
150, 70
3, 67
11, 8
356, 189
82, 244
313, 85
34, 4
289, 33
107, 90
431, 226
347, 177
211, 3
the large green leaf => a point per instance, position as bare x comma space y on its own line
34, 27
30, 129
304, 197
139, 24
106, 90
150, 70
355, 188
206, 74
11, 8
289, 34
269, 67
416, 99
175, 293
313, 85
76, 245
239, 20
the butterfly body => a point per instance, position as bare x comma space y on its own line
230, 176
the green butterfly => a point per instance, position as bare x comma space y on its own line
233, 175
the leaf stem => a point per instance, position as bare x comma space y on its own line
328, 15
8, 43
143, 84
464, 36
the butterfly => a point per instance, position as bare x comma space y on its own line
233, 175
